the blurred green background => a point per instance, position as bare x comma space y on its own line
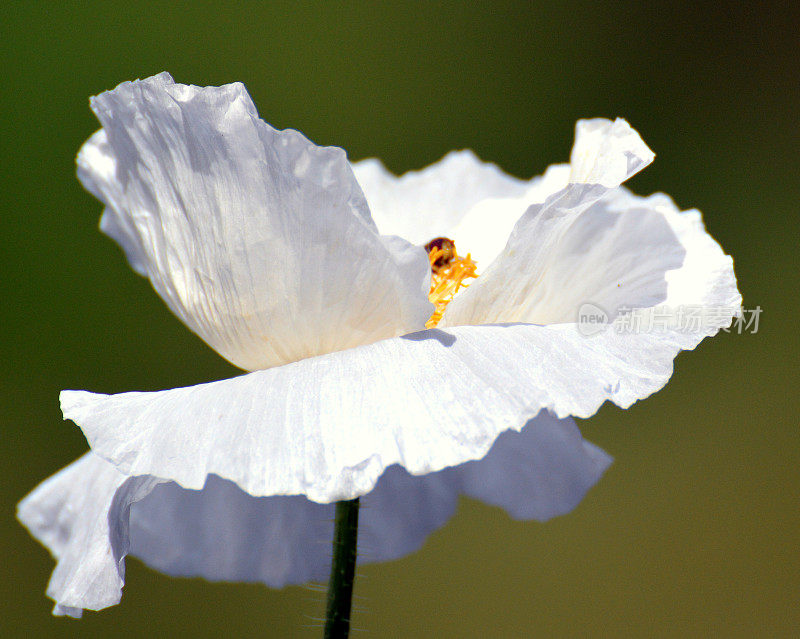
693, 531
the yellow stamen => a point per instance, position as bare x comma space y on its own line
448, 272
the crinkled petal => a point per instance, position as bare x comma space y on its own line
541, 472
627, 252
327, 427
422, 205
605, 153
81, 515
97, 166
483, 232
258, 240
223, 533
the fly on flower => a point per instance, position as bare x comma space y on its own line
311, 272
441, 252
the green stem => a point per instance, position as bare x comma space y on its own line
343, 570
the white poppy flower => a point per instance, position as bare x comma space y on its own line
311, 272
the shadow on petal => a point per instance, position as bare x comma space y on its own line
443, 337
223, 533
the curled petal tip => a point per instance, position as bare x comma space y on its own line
607, 153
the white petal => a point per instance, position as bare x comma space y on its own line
81, 515
422, 205
539, 473
327, 427
604, 153
483, 232
222, 533
607, 153
96, 166
260, 241
628, 252
507, 291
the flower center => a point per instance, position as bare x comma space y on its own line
448, 272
